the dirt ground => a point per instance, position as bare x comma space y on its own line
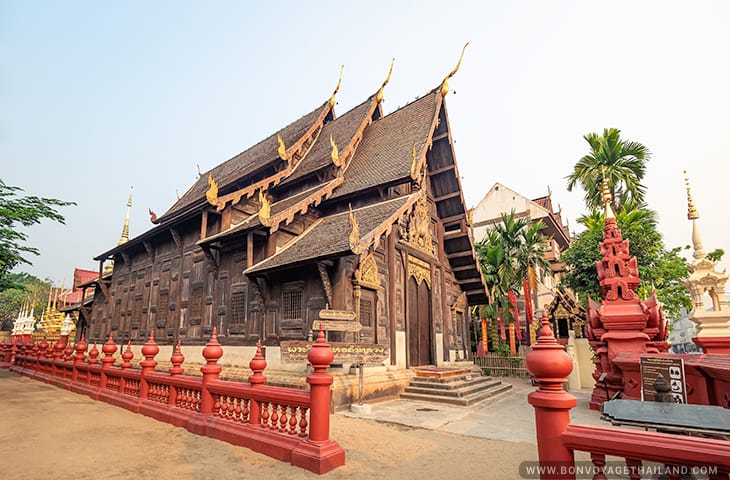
47, 433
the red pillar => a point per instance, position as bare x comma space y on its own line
109, 349
318, 453
211, 370
149, 350
176, 359
80, 348
257, 365
550, 365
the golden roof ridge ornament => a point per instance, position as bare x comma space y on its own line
282, 148
335, 153
125, 229
414, 162
354, 232
212, 194
264, 209
379, 95
692, 214
607, 197
337, 88
445, 83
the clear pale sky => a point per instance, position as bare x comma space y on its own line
99, 96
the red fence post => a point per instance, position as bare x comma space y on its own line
212, 352
127, 356
177, 360
109, 349
550, 365
80, 348
149, 350
257, 365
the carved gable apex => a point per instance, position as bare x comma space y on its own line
366, 274
419, 227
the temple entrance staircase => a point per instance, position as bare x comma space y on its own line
462, 386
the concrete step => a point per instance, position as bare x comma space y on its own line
465, 401
454, 384
464, 390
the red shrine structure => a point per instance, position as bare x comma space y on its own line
622, 322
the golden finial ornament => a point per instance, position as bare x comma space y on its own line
354, 232
337, 88
335, 153
212, 194
282, 149
414, 162
264, 209
379, 96
445, 83
692, 213
125, 229
153, 215
607, 197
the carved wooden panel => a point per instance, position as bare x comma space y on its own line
196, 303
237, 318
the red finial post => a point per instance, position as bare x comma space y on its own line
177, 359
127, 356
93, 355
257, 365
212, 353
149, 350
109, 349
550, 365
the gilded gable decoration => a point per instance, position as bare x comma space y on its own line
366, 274
264, 209
354, 232
379, 95
337, 88
445, 83
419, 227
335, 153
212, 194
282, 148
419, 270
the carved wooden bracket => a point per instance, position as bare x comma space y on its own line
150, 250
177, 238
326, 284
211, 257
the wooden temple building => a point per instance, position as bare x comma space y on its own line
360, 213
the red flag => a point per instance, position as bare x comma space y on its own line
528, 308
513, 309
502, 331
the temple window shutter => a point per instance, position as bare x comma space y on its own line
292, 303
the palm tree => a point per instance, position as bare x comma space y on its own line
624, 163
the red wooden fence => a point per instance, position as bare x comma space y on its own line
558, 439
287, 424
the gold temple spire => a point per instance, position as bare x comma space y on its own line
692, 213
379, 95
607, 197
282, 148
335, 153
337, 88
212, 194
445, 83
264, 209
125, 229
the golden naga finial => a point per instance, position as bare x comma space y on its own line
445, 83
607, 197
379, 96
153, 215
125, 229
264, 209
335, 153
354, 233
337, 88
692, 213
414, 162
212, 194
282, 148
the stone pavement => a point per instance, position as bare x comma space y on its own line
506, 416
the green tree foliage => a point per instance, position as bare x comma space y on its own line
26, 289
716, 255
624, 163
659, 268
509, 250
21, 211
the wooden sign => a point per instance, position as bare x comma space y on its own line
336, 326
295, 351
336, 315
671, 369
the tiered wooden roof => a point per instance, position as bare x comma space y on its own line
324, 163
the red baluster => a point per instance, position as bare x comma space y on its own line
274, 416
303, 421
293, 421
550, 365
127, 356
283, 420
212, 353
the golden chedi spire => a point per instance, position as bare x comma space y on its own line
693, 214
379, 95
607, 197
445, 83
125, 229
337, 88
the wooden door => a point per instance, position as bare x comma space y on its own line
419, 323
